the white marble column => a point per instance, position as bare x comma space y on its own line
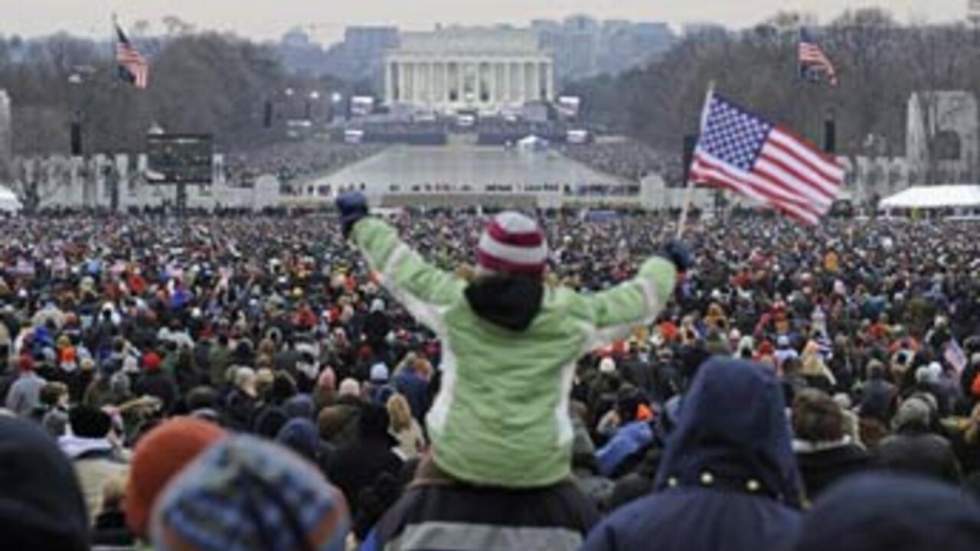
530, 82
550, 84
499, 70
483, 77
518, 82
490, 82
436, 82
389, 85
460, 83
430, 83
402, 82
497, 80
420, 83
411, 83
445, 82
417, 83
508, 82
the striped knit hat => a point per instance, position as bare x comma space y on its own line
512, 243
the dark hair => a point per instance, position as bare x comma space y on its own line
51, 392
201, 397
817, 417
792, 365
89, 422
283, 387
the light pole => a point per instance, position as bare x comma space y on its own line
335, 100
314, 96
75, 133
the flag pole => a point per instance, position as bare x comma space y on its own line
113, 38
689, 185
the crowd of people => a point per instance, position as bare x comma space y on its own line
292, 161
628, 159
309, 382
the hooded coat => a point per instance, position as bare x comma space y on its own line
728, 478
888, 512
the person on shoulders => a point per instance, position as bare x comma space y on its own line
510, 342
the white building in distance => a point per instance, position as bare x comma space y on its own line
489, 70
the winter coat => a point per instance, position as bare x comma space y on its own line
728, 478
159, 385
438, 513
887, 512
357, 466
415, 389
630, 439
25, 394
821, 465
239, 410
509, 349
219, 359
640, 374
918, 451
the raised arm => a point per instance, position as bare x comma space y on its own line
419, 286
613, 313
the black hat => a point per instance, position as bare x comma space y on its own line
41, 504
89, 422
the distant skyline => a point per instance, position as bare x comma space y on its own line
267, 19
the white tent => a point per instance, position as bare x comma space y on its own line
934, 197
532, 143
8, 201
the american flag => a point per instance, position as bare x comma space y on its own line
133, 67
813, 60
954, 356
752, 156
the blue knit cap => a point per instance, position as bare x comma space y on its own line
247, 494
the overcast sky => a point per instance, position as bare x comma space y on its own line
270, 18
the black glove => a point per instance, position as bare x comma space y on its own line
352, 206
676, 251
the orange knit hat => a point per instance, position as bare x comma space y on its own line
158, 457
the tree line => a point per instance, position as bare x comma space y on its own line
200, 82
880, 64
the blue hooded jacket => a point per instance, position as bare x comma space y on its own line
728, 478
629, 439
888, 512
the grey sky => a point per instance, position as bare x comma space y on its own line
270, 18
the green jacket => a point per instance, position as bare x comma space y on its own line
501, 417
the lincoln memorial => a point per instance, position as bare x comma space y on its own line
465, 68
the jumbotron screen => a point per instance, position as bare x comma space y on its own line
180, 158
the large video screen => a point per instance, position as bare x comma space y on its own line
180, 158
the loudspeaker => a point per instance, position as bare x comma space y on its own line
690, 143
830, 135
267, 115
76, 139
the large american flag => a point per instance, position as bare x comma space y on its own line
745, 153
133, 67
813, 60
